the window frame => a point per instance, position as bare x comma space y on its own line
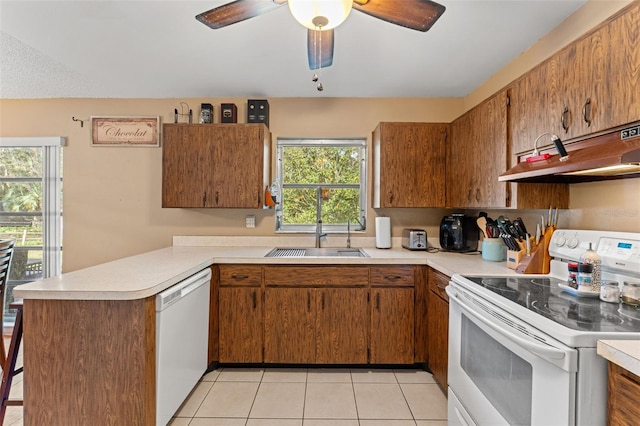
51, 196
361, 144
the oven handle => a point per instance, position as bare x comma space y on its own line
543, 351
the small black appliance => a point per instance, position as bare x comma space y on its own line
459, 233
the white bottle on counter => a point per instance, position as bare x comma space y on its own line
590, 257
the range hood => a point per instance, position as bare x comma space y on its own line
610, 155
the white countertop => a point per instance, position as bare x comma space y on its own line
625, 353
147, 274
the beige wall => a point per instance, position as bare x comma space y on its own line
112, 194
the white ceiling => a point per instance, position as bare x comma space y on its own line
157, 49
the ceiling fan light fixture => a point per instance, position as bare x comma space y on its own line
320, 14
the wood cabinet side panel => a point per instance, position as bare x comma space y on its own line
438, 342
622, 405
421, 293
214, 315
89, 362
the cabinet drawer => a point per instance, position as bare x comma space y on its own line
396, 276
438, 282
310, 276
244, 275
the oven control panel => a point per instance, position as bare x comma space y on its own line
619, 253
619, 250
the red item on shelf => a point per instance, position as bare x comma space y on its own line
540, 157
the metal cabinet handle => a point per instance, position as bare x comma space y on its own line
469, 194
240, 277
390, 198
308, 301
378, 301
204, 199
564, 119
255, 300
477, 194
392, 278
216, 198
586, 112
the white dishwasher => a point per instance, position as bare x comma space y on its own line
182, 328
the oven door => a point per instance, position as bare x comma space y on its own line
503, 371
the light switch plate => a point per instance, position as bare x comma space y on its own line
250, 221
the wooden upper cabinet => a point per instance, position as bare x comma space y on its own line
623, 66
589, 86
215, 165
409, 164
537, 105
477, 155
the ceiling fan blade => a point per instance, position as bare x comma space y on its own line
417, 15
320, 48
237, 11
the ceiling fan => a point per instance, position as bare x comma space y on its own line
322, 16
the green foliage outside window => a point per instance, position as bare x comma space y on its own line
336, 168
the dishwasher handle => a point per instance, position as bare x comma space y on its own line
182, 289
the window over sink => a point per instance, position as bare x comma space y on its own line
338, 167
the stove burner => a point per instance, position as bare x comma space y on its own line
543, 296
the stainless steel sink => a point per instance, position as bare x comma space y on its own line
317, 252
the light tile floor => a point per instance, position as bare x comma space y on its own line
303, 397
314, 397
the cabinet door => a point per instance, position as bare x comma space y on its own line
538, 105
341, 326
478, 155
438, 337
392, 326
289, 325
237, 166
409, 164
623, 66
240, 310
184, 181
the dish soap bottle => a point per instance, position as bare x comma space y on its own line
275, 190
590, 257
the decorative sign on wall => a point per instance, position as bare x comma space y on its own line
125, 131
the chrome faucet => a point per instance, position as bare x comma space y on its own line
348, 233
319, 234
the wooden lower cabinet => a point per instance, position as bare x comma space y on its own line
341, 326
438, 327
241, 324
622, 405
315, 325
289, 325
392, 326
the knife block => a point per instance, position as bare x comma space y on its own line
514, 258
539, 261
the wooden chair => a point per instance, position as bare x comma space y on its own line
6, 253
8, 359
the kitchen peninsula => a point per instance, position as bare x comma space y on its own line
89, 341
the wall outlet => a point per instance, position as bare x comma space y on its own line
250, 221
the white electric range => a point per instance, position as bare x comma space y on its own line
522, 351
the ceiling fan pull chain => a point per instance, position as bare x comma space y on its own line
319, 46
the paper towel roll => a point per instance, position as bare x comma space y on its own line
383, 232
